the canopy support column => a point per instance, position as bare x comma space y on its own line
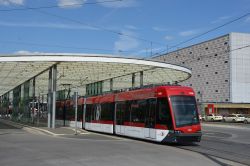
111, 84
33, 99
133, 80
141, 78
54, 76
49, 98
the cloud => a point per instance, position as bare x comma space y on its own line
247, 19
160, 29
47, 25
147, 52
119, 3
126, 43
168, 38
11, 2
131, 27
24, 52
70, 3
220, 19
188, 33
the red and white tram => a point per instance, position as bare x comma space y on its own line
161, 114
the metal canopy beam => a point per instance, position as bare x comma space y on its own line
82, 69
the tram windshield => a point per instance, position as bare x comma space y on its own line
185, 110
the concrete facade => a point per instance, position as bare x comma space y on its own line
220, 68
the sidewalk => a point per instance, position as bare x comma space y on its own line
58, 131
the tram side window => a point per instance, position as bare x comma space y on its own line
119, 108
138, 108
69, 112
107, 111
163, 113
79, 112
127, 109
88, 113
97, 112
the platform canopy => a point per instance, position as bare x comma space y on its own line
82, 69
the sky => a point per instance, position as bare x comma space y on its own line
130, 28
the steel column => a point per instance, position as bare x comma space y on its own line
33, 98
49, 98
54, 75
111, 84
133, 80
141, 78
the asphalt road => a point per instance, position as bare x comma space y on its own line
21, 148
230, 142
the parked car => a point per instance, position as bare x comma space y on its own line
247, 119
213, 117
234, 118
202, 118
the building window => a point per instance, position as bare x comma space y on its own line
198, 75
226, 80
183, 62
199, 92
216, 91
199, 59
176, 56
216, 72
190, 84
198, 100
206, 48
207, 83
190, 52
226, 100
226, 61
215, 54
225, 43
206, 65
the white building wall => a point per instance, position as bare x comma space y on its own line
240, 68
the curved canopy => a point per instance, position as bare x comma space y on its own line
82, 69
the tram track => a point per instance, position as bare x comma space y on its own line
205, 148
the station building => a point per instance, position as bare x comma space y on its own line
220, 72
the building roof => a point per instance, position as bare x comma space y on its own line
82, 69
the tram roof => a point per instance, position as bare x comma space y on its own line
82, 69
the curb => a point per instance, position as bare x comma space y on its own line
27, 127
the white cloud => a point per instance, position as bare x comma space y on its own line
119, 4
160, 29
131, 27
147, 52
247, 19
71, 3
47, 25
188, 33
24, 52
11, 2
126, 43
220, 19
168, 38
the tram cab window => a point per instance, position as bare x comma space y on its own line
163, 113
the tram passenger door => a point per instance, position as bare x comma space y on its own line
150, 119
